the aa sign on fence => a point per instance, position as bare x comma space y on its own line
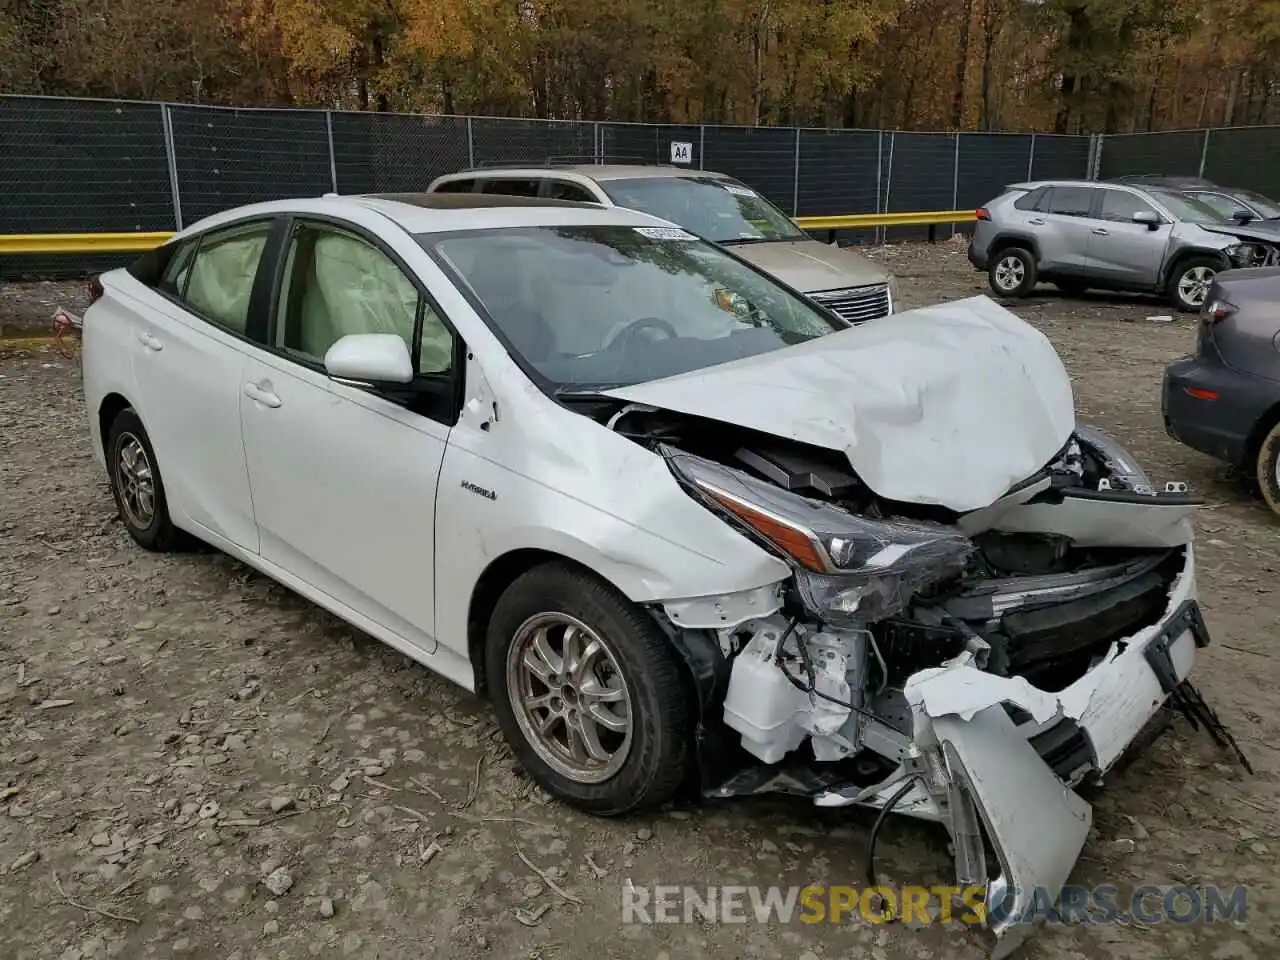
681, 152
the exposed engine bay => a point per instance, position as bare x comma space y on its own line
925, 660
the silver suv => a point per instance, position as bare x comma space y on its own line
713, 206
1081, 234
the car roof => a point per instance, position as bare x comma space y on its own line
1167, 180
595, 171
420, 213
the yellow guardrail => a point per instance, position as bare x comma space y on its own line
19, 243
81, 242
855, 221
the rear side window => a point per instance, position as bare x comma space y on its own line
512, 188
1070, 201
1029, 201
178, 270
222, 274
562, 190
456, 186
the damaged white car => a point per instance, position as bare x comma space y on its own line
681, 525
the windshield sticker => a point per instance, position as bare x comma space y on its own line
665, 233
739, 191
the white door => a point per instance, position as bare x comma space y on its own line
344, 479
189, 363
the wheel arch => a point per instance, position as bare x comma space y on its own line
112, 405
1004, 241
1182, 256
492, 583
504, 570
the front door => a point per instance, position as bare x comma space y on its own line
1124, 253
344, 480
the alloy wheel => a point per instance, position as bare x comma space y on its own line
1010, 272
569, 697
1193, 285
136, 481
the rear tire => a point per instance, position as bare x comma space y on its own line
134, 475
1189, 283
564, 648
1266, 469
1012, 272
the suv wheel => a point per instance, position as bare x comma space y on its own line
1012, 272
1190, 282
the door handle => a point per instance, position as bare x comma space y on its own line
263, 395
1099, 232
149, 341
1037, 221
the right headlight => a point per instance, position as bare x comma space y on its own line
848, 568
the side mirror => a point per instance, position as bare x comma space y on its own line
370, 358
1241, 215
1148, 217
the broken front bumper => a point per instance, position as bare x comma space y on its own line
977, 760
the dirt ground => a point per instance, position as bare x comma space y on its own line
175, 729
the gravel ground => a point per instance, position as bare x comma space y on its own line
195, 762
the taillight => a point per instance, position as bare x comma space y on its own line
982, 213
95, 289
1215, 310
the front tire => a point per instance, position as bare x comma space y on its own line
136, 485
1266, 469
1190, 282
1012, 272
588, 692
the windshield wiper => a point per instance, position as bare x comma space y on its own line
584, 391
742, 241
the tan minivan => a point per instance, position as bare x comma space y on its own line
715, 207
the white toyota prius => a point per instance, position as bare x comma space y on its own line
682, 526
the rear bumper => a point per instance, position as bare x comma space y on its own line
1212, 408
977, 257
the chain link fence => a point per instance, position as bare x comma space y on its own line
70, 166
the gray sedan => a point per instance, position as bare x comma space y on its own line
1224, 399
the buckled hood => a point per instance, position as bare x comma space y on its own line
949, 405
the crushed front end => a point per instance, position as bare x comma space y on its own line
959, 668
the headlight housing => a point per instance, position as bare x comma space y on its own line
848, 568
1119, 461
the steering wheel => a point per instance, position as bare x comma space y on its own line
628, 333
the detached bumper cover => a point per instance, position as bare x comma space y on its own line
1035, 822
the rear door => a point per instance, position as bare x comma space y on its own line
1124, 253
1063, 222
190, 353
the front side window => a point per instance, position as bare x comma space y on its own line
222, 273
1185, 207
1119, 205
723, 211
595, 306
336, 283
